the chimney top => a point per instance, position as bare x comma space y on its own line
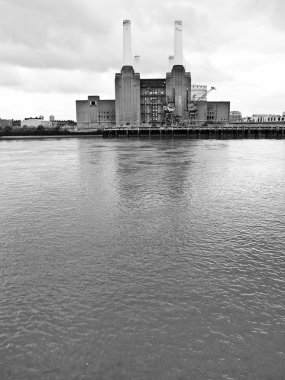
178, 48
127, 44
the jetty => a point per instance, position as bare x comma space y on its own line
212, 131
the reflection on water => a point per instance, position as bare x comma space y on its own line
142, 259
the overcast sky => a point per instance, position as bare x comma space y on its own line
53, 52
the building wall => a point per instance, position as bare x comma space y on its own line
127, 97
197, 91
178, 90
235, 116
266, 118
93, 110
202, 111
34, 123
152, 100
141, 101
95, 113
218, 111
82, 111
107, 113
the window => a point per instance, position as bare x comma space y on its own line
93, 103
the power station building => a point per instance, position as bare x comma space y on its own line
155, 102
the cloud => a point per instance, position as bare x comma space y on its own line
269, 12
87, 35
75, 47
10, 76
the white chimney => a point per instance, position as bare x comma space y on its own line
178, 54
136, 63
127, 44
170, 62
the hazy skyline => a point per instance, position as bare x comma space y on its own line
54, 52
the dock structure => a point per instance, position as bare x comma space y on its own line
215, 131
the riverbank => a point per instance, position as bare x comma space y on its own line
35, 137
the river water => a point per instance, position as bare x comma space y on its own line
142, 259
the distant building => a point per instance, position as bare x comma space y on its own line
16, 123
235, 116
95, 113
6, 123
34, 122
218, 111
267, 118
198, 91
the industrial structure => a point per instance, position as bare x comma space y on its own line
171, 100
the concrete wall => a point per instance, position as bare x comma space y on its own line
34, 123
197, 91
218, 111
202, 111
93, 108
107, 114
95, 113
82, 111
87, 114
178, 86
127, 97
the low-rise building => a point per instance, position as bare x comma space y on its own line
218, 111
34, 122
6, 123
235, 116
267, 118
95, 113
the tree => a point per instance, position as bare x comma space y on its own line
40, 130
7, 130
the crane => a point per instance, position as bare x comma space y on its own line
192, 106
168, 109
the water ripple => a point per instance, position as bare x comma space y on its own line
157, 259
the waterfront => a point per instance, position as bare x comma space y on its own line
142, 259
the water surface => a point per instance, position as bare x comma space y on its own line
142, 259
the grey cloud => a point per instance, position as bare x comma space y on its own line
87, 35
80, 34
40, 29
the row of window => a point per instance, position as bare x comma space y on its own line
153, 92
271, 119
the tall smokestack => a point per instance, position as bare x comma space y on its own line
178, 54
127, 44
170, 62
136, 63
